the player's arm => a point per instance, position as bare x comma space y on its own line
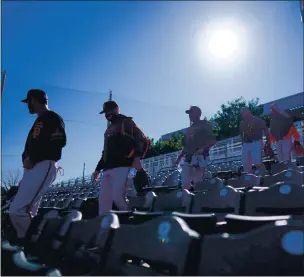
241, 131
100, 164
266, 131
142, 143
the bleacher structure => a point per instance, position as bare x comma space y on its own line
231, 223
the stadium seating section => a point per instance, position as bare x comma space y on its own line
231, 223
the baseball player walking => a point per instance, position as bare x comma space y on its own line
198, 140
252, 129
124, 146
282, 132
42, 150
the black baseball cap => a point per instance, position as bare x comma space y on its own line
37, 94
194, 109
108, 106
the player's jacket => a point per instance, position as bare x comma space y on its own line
123, 141
46, 138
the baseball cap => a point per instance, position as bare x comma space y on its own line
37, 94
194, 109
109, 105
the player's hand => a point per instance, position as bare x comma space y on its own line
27, 164
136, 163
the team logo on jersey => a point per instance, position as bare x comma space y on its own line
38, 126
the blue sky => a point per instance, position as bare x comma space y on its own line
153, 57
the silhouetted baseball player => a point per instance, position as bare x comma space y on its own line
124, 146
42, 150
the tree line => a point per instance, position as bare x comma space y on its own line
225, 125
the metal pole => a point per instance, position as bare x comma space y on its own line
3, 76
83, 173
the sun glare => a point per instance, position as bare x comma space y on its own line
223, 44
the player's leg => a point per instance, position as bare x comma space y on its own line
34, 184
256, 156
119, 189
105, 198
246, 157
186, 175
284, 152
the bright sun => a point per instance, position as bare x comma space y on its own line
223, 44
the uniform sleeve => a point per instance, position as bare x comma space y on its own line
209, 132
141, 141
100, 164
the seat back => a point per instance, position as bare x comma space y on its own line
282, 166
218, 200
291, 175
279, 199
157, 247
271, 250
142, 202
245, 180
177, 200
209, 184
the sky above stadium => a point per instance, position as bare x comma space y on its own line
154, 56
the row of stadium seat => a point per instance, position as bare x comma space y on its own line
157, 245
280, 199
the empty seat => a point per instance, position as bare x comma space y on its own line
273, 249
293, 176
201, 223
89, 207
142, 202
245, 180
209, 184
157, 247
279, 167
84, 244
279, 199
236, 224
177, 200
43, 247
140, 217
173, 180
219, 200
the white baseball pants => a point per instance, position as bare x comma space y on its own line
113, 188
284, 148
34, 184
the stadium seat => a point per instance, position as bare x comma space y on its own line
293, 176
142, 202
279, 199
209, 184
245, 181
8, 250
300, 161
42, 250
279, 167
141, 217
219, 200
273, 249
236, 224
85, 241
173, 180
89, 207
201, 223
160, 246
177, 200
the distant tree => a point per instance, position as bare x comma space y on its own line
160, 147
227, 119
10, 178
